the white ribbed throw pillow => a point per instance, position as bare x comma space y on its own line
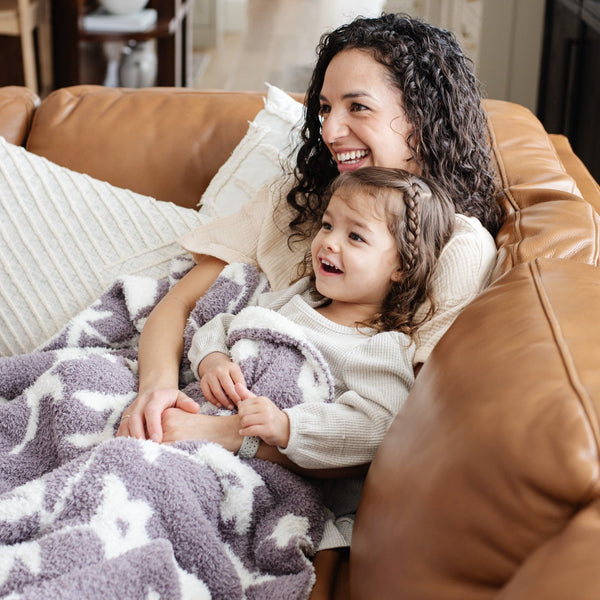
64, 238
266, 151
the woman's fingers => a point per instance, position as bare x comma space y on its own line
143, 418
185, 403
131, 425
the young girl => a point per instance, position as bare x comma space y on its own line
370, 268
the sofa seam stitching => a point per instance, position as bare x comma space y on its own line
566, 359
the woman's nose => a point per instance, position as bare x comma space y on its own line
334, 127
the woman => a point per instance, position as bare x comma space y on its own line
389, 91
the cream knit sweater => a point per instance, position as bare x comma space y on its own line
372, 374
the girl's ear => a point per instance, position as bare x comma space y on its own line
398, 275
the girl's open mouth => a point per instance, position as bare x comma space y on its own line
329, 267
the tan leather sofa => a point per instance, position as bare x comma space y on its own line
488, 483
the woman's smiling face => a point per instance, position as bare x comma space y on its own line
364, 123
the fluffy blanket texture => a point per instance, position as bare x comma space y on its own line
86, 515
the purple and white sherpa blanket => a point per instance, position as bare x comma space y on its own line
86, 515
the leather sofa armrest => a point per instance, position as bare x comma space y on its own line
496, 449
17, 106
566, 566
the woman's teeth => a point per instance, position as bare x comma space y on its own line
351, 157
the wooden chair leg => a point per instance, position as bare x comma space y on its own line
29, 67
45, 52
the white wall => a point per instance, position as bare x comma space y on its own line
510, 52
510, 36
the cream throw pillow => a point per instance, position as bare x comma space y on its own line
265, 152
64, 238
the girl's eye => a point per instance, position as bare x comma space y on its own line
356, 237
326, 225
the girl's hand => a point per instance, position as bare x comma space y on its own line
259, 416
218, 376
142, 418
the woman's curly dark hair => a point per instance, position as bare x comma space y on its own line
442, 102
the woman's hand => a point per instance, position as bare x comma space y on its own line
178, 425
160, 350
218, 377
143, 418
261, 417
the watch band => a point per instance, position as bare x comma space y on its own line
249, 447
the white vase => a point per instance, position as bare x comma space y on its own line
123, 7
139, 65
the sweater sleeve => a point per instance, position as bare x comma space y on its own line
462, 272
233, 238
211, 337
378, 376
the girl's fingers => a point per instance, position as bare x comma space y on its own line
243, 392
229, 393
219, 394
207, 391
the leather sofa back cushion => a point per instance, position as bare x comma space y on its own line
163, 142
495, 448
17, 105
546, 214
169, 144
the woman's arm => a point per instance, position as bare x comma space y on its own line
160, 353
179, 425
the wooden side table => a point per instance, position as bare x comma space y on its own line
172, 32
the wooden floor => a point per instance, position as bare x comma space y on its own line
277, 44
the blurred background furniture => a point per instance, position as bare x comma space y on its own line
569, 84
79, 54
21, 18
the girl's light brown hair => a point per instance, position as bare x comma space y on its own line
420, 215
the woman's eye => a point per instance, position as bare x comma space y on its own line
356, 237
358, 107
324, 110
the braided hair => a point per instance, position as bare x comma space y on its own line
420, 216
441, 100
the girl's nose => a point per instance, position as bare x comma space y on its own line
332, 243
